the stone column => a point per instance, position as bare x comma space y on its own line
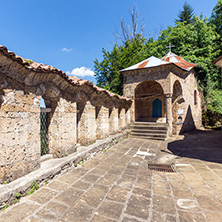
19, 134
113, 120
102, 123
122, 123
87, 125
127, 117
62, 129
169, 119
132, 111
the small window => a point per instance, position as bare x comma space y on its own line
195, 97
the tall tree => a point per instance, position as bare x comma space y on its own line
186, 15
123, 56
131, 31
216, 17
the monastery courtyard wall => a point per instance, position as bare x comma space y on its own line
77, 112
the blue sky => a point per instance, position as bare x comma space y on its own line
71, 34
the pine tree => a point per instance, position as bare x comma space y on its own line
186, 15
216, 17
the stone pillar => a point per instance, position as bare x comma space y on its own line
19, 134
121, 115
113, 120
87, 124
132, 111
62, 129
169, 117
102, 121
127, 117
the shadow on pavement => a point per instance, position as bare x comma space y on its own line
199, 144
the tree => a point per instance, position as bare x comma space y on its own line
216, 17
123, 56
130, 32
186, 15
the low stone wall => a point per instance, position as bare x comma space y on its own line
80, 113
53, 167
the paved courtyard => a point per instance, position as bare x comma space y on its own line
117, 185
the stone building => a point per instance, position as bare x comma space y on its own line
218, 62
164, 91
76, 112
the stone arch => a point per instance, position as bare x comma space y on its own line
2, 96
3, 84
177, 104
49, 117
145, 93
177, 91
80, 105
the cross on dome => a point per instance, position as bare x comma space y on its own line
170, 46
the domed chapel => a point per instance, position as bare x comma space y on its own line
164, 91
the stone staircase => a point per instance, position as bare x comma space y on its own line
149, 130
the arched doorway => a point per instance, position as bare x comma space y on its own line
149, 101
157, 108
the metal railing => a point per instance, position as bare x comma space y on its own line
44, 125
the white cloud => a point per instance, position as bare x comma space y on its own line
66, 50
83, 71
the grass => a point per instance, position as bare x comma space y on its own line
5, 207
17, 198
34, 186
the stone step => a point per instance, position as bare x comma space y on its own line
148, 134
148, 127
148, 138
148, 131
149, 123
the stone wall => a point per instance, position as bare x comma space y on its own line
79, 113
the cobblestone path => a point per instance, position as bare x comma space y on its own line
116, 185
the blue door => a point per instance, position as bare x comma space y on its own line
157, 108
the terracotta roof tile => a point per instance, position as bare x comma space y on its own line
39, 67
169, 58
177, 60
142, 65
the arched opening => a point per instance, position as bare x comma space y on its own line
45, 120
177, 91
80, 119
177, 108
195, 97
149, 101
49, 119
1, 96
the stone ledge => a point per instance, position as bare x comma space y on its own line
52, 167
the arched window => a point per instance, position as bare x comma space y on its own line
195, 97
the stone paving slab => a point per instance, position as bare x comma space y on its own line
117, 185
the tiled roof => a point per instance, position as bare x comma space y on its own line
177, 60
218, 62
42, 68
147, 63
169, 58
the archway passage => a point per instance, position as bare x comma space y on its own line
149, 101
157, 108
